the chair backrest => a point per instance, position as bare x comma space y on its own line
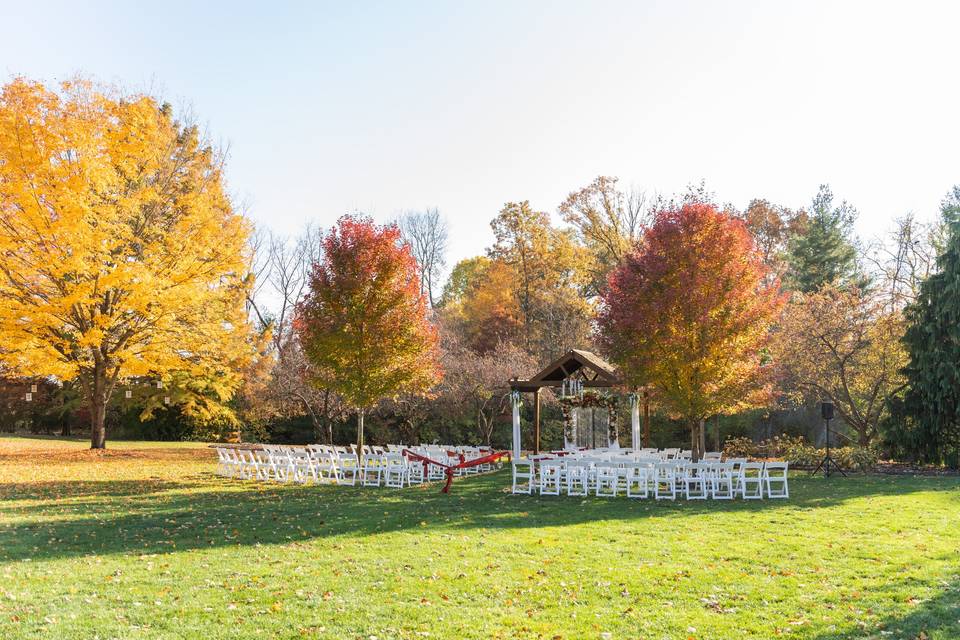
777, 467
751, 468
722, 468
665, 467
712, 455
395, 460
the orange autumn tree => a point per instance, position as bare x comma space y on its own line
364, 323
689, 312
121, 255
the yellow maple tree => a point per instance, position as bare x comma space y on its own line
121, 255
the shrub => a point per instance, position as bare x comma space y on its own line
856, 458
739, 448
796, 451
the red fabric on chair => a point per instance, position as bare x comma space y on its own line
450, 469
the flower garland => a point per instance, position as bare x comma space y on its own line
590, 400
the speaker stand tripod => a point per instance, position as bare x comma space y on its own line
828, 465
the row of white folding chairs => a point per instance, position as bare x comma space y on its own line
322, 463
277, 463
594, 459
301, 464
664, 479
662, 454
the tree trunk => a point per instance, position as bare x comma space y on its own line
703, 438
360, 431
98, 408
696, 439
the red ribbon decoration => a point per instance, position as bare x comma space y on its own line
451, 468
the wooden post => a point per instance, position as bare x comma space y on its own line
646, 418
536, 421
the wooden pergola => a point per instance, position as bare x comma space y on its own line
590, 369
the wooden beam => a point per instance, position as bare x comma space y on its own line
533, 385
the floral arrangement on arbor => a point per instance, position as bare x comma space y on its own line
590, 400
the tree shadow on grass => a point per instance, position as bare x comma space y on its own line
157, 517
56, 490
937, 618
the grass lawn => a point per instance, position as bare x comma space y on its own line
145, 542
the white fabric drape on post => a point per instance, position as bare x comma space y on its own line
571, 444
635, 422
515, 397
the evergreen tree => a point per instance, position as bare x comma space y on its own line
926, 422
824, 252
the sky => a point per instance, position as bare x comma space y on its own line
330, 108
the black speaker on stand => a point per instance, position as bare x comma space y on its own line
828, 464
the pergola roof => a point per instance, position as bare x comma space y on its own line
593, 370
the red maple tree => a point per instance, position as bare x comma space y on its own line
364, 324
689, 312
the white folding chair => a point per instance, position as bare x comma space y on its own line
415, 473
635, 474
348, 468
695, 481
371, 472
523, 476
281, 465
223, 462
608, 479
775, 479
577, 473
737, 463
549, 477
665, 481
326, 465
435, 471
260, 464
249, 465
723, 481
751, 480
304, 468
395, 471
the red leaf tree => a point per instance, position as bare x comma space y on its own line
688, 312
364, 323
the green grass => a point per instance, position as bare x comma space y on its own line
144, 542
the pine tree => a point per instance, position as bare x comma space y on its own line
824, 253
927, 423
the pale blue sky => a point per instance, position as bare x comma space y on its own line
381, 107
